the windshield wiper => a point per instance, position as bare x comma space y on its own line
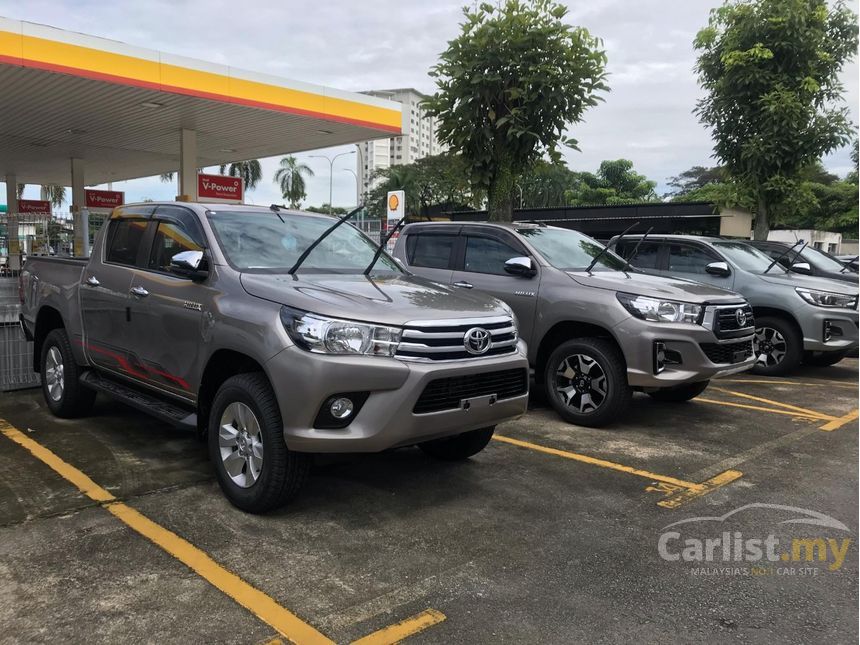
606, 248
783, 254
635, 248
382, 245
848, 263
325, 234
277, 211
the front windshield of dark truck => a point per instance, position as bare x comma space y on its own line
570, 250
261, 242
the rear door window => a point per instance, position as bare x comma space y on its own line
430, 251
126, 237
645, 257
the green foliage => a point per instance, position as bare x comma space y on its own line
250, 172
615, 183
430, 181
770, 72
695, 179
545, 184
508, 86
325, 208
290, 177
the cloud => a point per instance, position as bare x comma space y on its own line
647, 117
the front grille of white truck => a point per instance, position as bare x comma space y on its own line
448, 340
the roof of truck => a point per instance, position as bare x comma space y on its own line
504, 225
221, 206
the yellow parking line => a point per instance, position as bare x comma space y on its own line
260, 604
599, 462
841, 421
710, 485
816, 383
397, 632
699, 399
805, 411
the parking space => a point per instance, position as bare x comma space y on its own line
549, 535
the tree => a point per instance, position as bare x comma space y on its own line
615, 183
325, 209
695, 179
290, 176
545, 185
53, 193
508, 86
250, 172
770, 70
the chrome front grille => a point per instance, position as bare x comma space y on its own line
445, 340
724, 322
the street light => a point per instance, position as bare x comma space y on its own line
331, 172
357, 187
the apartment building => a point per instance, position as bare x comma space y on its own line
417, 141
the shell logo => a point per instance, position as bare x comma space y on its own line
393, 202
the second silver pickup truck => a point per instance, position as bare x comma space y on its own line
276, 334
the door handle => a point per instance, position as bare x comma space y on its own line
93, 281
464, 285
139, 292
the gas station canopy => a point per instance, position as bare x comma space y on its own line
121, 109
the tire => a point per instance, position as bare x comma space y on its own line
783, 349
581, 370
824, 359
460, 446
64, 393
265, 474
679, 393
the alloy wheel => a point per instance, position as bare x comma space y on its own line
54, 374
581, 383
769, 346
241, 444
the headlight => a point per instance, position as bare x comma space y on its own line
335, 336
827, 298
656, 310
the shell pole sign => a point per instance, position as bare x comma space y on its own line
395, 206
219, 188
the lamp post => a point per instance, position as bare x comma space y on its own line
357, 186
331, 172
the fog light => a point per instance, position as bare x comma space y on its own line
341, 408
828, 331
659, 357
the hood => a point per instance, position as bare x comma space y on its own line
654, 286
390, 300
810, 282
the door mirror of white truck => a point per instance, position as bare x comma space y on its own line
718, 268
521, 266
802, 267
189, 264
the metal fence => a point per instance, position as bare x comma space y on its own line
16, 354
40, 234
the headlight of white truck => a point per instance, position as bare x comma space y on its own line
827, 298
325, 335
655, 310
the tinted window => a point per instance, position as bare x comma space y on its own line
684, 258
170, 239
570, 250
125, 237
645, 257
486, 255
430, 251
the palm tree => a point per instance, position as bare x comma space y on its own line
291, 178
54, 193
166, 177
250, 172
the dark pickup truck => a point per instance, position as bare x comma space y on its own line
276, 334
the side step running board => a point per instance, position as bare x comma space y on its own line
157, 407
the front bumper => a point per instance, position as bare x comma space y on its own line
812, 324
303, 381
637, 338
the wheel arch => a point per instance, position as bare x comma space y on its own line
47, 320
222, 364
782, 314
567, 330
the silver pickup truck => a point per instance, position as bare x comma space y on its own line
274, 333
596, 329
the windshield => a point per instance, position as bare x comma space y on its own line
259, 241
821, 260
746, 257
570, 250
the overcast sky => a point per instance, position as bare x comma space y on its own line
392, 43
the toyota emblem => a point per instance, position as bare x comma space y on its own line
477, 340
741, 317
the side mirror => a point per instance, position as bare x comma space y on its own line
802, 267
189, 264
720, 269
521, 266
